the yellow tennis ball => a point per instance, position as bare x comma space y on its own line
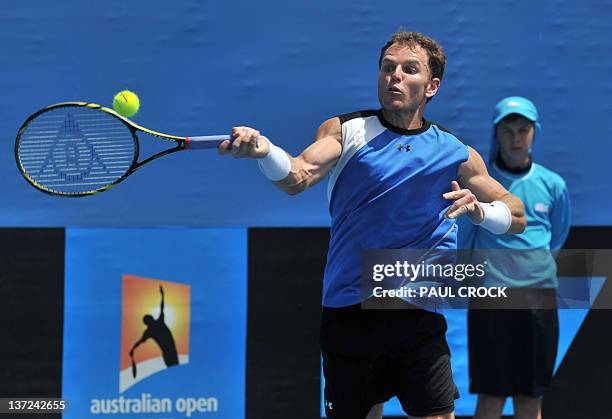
126, 103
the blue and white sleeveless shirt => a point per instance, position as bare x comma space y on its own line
385, 192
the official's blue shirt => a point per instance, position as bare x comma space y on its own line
547, 209
385, 192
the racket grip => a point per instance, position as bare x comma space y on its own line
205, 142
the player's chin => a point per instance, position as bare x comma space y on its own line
394, 105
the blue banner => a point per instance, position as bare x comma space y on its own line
155, 323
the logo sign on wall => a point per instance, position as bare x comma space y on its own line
154, 328
150, 335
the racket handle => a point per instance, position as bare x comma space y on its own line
205, 142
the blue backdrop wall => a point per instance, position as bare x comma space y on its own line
284, 67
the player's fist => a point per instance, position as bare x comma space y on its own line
245, 143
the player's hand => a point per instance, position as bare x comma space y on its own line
464, 203
246, 143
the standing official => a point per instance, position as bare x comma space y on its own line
512, 351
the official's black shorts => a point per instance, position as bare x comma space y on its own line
370, 356
512, 352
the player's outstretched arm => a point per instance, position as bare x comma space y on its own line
291, 174
484, 199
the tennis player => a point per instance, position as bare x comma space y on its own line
396, 181
160, 333
512, 352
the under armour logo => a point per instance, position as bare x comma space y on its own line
328, 405
401, 147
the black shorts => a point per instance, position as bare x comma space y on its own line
370, 356
512, 352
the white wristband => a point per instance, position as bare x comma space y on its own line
497, 217
276, 165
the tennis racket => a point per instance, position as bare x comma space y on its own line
133, 366
78, 148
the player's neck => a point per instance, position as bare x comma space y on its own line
405, 119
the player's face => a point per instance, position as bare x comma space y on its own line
404, 79
515, 138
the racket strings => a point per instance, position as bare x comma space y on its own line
75, 150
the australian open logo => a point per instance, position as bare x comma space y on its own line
154, 328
